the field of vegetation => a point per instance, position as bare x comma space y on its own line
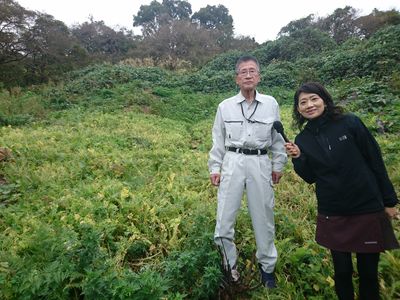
104, 189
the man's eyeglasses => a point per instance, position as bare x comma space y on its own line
250, 72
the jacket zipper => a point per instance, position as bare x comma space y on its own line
329, 144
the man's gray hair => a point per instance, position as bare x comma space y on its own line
246, 58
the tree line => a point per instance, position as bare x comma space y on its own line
36, 48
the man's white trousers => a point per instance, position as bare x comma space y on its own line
252, 173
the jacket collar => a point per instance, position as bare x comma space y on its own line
240, 98
316, 124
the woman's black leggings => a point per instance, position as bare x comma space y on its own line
367, 266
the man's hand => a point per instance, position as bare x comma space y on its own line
215, 179
276, 176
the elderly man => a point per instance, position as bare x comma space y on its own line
247, 154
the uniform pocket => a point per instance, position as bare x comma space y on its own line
262, 129
233, 130
266, 168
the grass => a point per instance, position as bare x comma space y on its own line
107, 195
111, 199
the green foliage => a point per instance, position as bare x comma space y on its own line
96, 85
196, 266
365, 95
309, 266
15, 120
213, 81
99, 180
117, 205
280, 74
108, 76
224, 62
8, 193
382, 55
302, 43
107, 195
19, 108
376, 57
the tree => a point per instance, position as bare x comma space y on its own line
217, 19
296, 25
300, 44
376, 20
34, 47
214, 17
151, 17
168, 33
341, 24
304, 43
15, 22
243, 44
103, 42
180, 40
177, 9
53, 51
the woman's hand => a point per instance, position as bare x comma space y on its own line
292, 150
391, 212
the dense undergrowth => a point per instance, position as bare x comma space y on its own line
106, 194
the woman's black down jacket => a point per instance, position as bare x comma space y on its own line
344, 161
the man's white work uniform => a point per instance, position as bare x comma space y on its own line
239, 126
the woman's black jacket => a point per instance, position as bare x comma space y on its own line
344, 161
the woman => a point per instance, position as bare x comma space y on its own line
355, 196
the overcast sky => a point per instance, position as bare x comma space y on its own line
260, 19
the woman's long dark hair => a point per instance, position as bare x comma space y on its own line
331, 110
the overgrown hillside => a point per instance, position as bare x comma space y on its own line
105, 194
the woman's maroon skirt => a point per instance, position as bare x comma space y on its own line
367, 233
